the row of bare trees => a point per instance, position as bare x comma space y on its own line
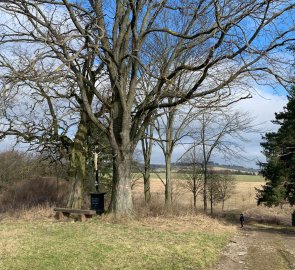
202, 132
220, 187
69, 67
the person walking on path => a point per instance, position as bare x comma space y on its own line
242, 219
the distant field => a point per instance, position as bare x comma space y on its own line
243, 196
243, 178
249, 178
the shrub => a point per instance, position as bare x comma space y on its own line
33, 192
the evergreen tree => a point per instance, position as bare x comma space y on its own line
279, 149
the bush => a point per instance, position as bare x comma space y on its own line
33, 192
16, 166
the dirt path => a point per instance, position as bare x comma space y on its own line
258, 247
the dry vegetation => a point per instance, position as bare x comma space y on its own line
242, 197
30, 238
32, 192
243, 200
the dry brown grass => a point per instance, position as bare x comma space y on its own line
33, 192
243, 200
273, 215
40, 212
182, 213
243, 197
187, 223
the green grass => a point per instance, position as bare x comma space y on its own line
101, 245
249, 178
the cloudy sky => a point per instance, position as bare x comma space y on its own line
262, 106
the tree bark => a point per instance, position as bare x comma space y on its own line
121, 201
168, 186
168, 154
195, 202
147, 188
147, 146
205, 187
195, 192
77, 170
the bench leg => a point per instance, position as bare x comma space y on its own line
81, 217
61, 215
58, 215
84, 217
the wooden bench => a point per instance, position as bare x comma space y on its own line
83, 214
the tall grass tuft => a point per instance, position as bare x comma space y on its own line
34, 192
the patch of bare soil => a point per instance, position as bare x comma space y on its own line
259, 247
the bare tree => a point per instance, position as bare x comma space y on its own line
220, 130
213, 189
226, 186
220, 188
147, 143
172, 126
46, 114
128, 39
194, 176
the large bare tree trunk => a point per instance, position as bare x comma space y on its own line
121, 201
77, 171
119, 134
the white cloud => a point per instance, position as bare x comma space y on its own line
262, 106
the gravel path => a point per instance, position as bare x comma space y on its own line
259, 247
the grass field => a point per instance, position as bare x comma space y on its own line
153, 243
249, 178
243, 196
243, 178
34, 240
243, 199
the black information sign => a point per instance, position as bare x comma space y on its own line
97, 202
